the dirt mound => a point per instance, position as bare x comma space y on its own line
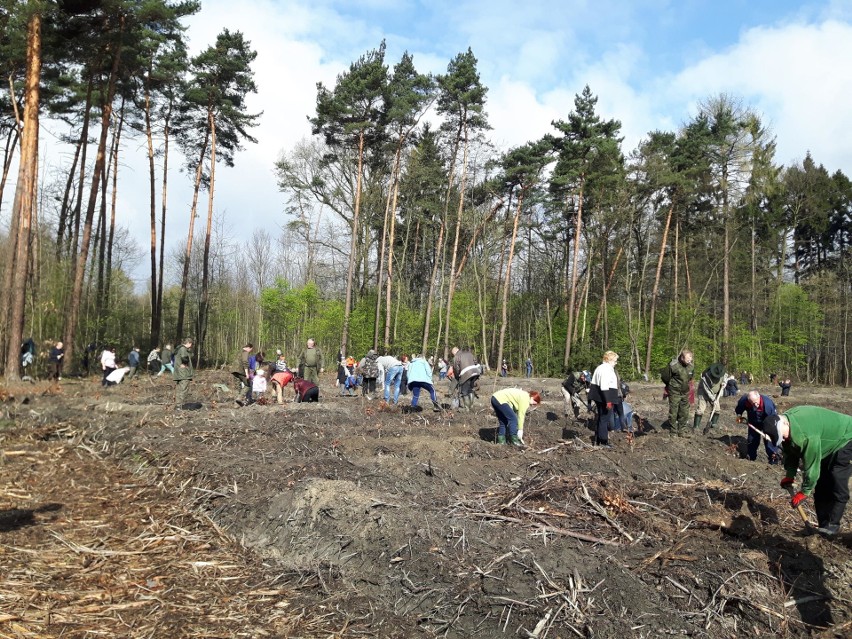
397, 522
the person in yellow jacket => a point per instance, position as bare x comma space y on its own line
511, 406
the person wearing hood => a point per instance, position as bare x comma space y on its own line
821, 441
710, 386
370, 372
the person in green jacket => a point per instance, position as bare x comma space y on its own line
311, 362
511, 406
821, 440
183, 372
677, 376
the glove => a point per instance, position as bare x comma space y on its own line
786, 482
798, 498
741, 419
609, 405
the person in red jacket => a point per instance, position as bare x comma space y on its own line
306, 391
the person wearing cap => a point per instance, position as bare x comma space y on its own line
713, 379
757, 408
258, 384
183, 371
821, 440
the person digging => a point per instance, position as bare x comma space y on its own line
821, 440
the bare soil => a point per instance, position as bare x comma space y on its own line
122, 517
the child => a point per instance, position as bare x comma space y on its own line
785, 388
258, 384
306, 391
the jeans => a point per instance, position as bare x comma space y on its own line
393, 377
507, 418
624, 422
415, 387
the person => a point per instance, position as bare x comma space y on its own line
153, 360
442, 369
743, 378
311, 362
677, 376
166, 360
279, 380
757, 408
529, 367
369, 367
108, 364
504, 369
133, 362
343, 371
28, 351
624, 421
56, 355
821, 441
349, 381
306, 390
393, 376
241, 369
785, 387
465, 371
420, 377
117, 375
572, 386
731, 388
772, 377
258, 384
183, 372
403, 381
510, 406
605, 393
710, 386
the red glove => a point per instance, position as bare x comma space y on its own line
798, 498
787, 481
609, 405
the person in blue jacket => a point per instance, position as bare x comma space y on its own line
757, 408
420, 377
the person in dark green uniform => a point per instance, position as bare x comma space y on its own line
183, 372
821, 440
676, 376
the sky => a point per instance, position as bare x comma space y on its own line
649, 62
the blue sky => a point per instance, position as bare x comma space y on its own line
650, 62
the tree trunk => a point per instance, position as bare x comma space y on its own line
205, 262
152, 204
506, 283
74, 240
24, 198
66, 196
391, 240
573, 294
608, 284
8, 154
100, 160
655, 292
111, 237
353, 246
158, 323
454, 257
184, 282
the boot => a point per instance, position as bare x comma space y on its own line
712, 423
436, 407
515, 441
501, 439
696, 422
468, 402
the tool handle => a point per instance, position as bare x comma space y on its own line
799, 507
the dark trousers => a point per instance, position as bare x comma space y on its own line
507, 418
369, 386
606, 421
832, 489
311, 396
107, 371
415, 387
753, 440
